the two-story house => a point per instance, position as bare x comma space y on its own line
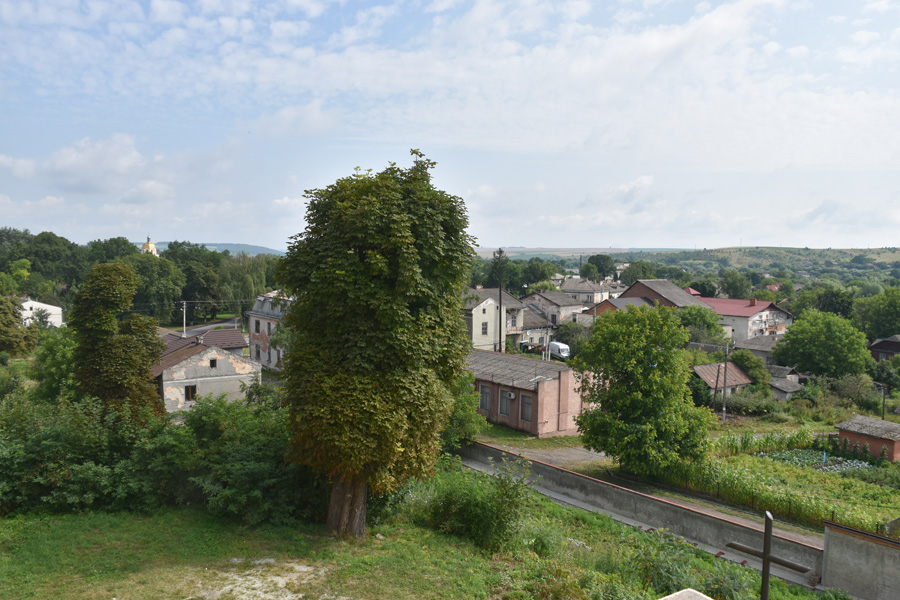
745, 319
554, 306
264, 319
487, 329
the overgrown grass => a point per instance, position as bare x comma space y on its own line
504, 436
556, 552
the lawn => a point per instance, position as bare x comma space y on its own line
557, 552
504, 436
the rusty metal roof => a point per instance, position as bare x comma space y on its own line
709, 374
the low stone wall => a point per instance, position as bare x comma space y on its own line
866, 564
689, 523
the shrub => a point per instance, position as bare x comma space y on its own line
486, 510
751, 401
4, 358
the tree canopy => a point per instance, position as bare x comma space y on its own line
702, 324
637, 270
378, 334
634, 374
606, 266
824, 344
735, 285
113, 358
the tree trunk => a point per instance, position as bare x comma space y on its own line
347, 508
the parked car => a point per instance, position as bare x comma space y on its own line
559, 351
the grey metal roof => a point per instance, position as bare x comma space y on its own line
672, 292
762, 343
559, 298
534, 319
473, 298
786, 385
580, 285
513, 370
885, 430
626, 303
782, 372
715, 373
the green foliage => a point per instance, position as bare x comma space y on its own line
113, 359
589, 271
708, 288
465, 422
4, 358
486, 510
377, 326
639, 269
54, 367
878, 316
606, 266
824, 344
634, 374
573, 335
752, 365
735, 285
15, 339
753, 400
160, 285
702, 325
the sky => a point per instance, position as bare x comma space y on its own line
561, 123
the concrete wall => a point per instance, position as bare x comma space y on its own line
691, 524
864, 564
225, 378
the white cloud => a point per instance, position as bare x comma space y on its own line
167, 11
148, 191
702, 7
18, 167
881, 6
865, 37
771, 48
797, 51
368, 25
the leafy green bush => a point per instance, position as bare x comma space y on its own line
485, 510
751, 401
4, 358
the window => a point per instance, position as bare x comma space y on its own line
190, 393
484, 328
269, 327
257, 326
553, 319
213, 363
269, 355
484, 403
514, 320
525, 408
484, 310
257, 349
504, 402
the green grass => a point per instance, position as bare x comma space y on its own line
498, 434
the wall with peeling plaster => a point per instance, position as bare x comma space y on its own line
225, 378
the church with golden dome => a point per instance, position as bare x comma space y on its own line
149, 248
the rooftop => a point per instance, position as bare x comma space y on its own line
715, 373
671, 292
735, 307
885, 430
474, 297
762, 343
513, 370
559, 298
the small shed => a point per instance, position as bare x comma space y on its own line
875, 432
783, 389
715, 375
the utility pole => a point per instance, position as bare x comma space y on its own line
725, 382
184, 318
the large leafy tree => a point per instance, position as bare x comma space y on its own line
824, 344
702, 325
161, 284
752, 365
878, 316
634, 374
378, 336
606, 266
639, 269
15, 338
112, 357
735, 285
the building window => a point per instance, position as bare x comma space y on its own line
269, 355
190, 393
514, 320
484, 328
257, 325
504, 402
484, 403
553, 319
484, 310
257, 349
269, 327
213, 363
525, 408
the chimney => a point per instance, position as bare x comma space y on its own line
752, 301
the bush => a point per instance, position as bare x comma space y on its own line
486, 510
4, 358
750, 401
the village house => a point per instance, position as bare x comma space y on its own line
746, 319
876, 433
885, 349
663, 292
487, 331
584, 290
719, 378
526, 394
187, 371
614, 304
762, 346
536, 330
31, 311
554, 306
264, 319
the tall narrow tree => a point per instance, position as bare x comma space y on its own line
113, 358
378, 334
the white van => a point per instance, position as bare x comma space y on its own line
559, 351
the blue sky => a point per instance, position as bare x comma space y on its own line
641, 123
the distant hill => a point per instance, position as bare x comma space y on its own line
249, 249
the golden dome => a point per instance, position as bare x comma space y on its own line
149, 247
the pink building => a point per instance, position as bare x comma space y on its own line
875, 432
526, 393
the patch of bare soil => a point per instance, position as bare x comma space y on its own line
265, 579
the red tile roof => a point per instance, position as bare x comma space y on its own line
735, 307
